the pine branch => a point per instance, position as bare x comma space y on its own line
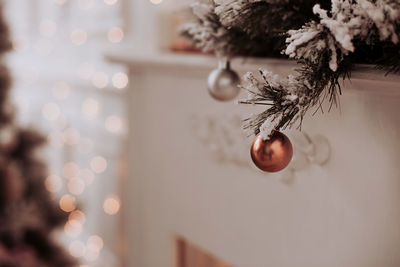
325, 51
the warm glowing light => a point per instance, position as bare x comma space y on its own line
70, 170
61, 90
90, 107
94, 243
115, 35
86, 175
110, 2
111, 205
71, 136
78, 216
78, 36
77, 249
98, 164
67, 203
53, 183
51, 111
47, 28
76, 186
85, 4
114, 124
85, 71
120, 80
43, 47
73, 228
100, 80
156, 2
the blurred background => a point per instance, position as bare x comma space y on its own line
154, 172
64, 86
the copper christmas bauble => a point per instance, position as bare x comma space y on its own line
273, 154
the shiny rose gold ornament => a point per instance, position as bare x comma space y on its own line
272, 155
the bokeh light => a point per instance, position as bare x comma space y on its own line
87, 176
76, 186
77, 249
91, 255
120, 80
114, 124
56, 33
95, 243
111, 205
73, 228
115, 35
53, 183
70, 170
98, 164
78, 216
67, 203
90, 107
100, 80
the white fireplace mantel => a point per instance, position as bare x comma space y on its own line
188, 61
342, 214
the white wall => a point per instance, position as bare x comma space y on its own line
343, 214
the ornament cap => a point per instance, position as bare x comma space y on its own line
224, 63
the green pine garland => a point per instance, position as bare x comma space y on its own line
326, 46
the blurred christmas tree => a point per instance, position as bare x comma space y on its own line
28, 214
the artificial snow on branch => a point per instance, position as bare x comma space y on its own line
326, 51
331, 37
246, 27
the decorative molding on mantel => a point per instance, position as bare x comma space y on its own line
225, 141
199, 62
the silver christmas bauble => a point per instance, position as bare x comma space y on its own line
223, 83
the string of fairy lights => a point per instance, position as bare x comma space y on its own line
74, 178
